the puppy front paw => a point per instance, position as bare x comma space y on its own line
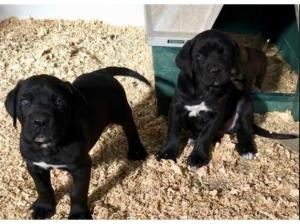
248, 155
83, 213
196, 160
167, 152
42, 210
137, 153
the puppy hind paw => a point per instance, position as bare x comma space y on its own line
42, 210
166, 153
197, 161
248, 152
137, 154
80, 215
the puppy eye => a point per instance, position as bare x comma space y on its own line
24, 102
221, 51
59, 102
200, 57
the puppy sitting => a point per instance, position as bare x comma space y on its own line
61, 122
250, 70
207, 103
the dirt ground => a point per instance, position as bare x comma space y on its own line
230, 187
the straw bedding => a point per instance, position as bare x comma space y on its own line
228, 188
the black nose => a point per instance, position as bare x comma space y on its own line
40, 121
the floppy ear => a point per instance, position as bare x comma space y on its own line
78, 96
11, 102
184, 58
243, 55
236, 55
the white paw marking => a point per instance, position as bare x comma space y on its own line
46, 166
195, 109
248, 155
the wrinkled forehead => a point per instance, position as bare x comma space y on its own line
208, 46
212, 44
41, 85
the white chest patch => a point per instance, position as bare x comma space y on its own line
195, 109
46, 166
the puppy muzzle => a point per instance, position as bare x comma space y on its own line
43, 141
41, 130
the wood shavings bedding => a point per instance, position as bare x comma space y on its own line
230, 187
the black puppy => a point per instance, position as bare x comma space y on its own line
252, 69
60, 124
207, 103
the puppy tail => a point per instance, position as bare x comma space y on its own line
265, 133
122, 71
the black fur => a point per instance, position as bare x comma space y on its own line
205, 64
60, 124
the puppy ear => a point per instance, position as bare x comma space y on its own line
236, 55
184, 58
76, 93
11, 103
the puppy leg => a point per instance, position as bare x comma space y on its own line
201, 153
79, 193
44, 206
175, 124
136, 150
246, 146
122, 115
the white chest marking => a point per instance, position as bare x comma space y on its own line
46, 166
195, 109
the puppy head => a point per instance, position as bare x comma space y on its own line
209, 58
43, 104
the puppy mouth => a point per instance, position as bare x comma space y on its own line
42, 141
217, 84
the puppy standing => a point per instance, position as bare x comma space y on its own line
60, 123
207, 103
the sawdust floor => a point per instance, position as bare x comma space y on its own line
228, 188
